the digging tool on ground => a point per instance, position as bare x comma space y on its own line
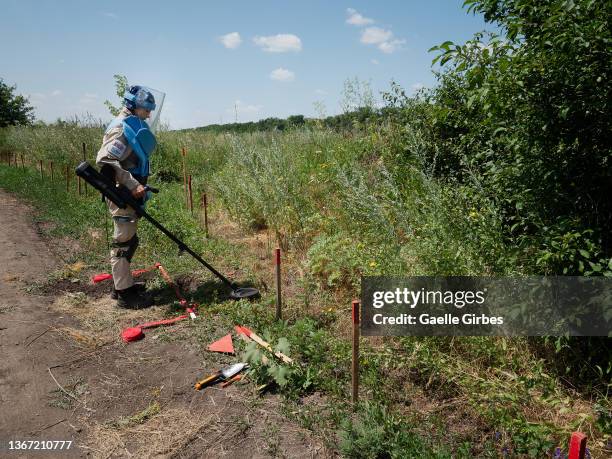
224, 374
123, 198
232, 380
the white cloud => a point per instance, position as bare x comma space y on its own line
57, 92
375, 35
320, 92
391, 46
375, 62
281, 74
382, 38
110, 15
280, 43
231, 40
354, 18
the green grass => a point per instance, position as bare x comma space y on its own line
341, 209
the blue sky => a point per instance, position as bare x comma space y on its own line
265, 58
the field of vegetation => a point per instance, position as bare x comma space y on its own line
502, 169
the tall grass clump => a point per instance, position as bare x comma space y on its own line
61, 142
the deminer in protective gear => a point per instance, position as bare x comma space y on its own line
124, 156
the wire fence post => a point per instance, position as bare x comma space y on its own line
277, 262
355, 366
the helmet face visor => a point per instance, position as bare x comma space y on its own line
148, 99
158, 98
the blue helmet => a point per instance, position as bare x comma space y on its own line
139, 97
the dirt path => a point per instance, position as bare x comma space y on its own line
65, 375
26, 347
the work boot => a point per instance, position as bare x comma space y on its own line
140, 286
131, 298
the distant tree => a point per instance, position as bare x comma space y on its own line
296, 120
15, 109
121, 85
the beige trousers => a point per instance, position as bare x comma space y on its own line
125, 223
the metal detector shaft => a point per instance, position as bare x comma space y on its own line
182, 247
123, 198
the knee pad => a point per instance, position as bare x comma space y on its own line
126, 249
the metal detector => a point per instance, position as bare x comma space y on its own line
123, 198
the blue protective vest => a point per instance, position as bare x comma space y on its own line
140, 138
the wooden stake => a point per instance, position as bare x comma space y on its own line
277, 262
22, 163
249, 333
190, 196
51, 164
185, 175
41, 168
355, 367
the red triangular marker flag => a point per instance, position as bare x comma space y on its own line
225, 344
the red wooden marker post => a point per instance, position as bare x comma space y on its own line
190, 196
355, 369
277, 262
577, 446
